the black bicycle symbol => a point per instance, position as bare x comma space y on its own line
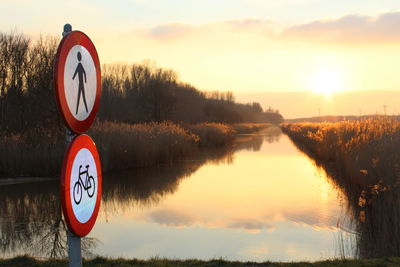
88, 185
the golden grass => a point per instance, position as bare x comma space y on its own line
36, 154
127, 146
366, 151
212, 134
248, 128
363, 158
121, 146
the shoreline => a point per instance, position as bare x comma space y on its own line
24, 180
101, 261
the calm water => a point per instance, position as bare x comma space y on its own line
261, 200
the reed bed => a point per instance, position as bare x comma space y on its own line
121, 146
127, 146
248, 128
212, 134
363, 158
364, 151
38, 153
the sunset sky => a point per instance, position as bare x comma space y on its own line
262, 50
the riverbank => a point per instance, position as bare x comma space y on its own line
121, 146
100, 262
362, 158
361, 153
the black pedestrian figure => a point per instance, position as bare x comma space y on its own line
81, 89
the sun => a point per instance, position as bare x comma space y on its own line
326, 81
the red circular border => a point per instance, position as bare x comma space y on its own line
70, 40
79, 142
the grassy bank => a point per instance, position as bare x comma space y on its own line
121, 146
363, 159
365, 152
100, 262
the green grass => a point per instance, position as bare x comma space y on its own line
103, 262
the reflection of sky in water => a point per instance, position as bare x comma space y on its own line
272, 204
289, 241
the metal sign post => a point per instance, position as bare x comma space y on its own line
74, 242
77, 83
74, 250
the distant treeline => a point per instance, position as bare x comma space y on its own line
131, 93
339, 118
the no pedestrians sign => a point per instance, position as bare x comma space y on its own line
77, 78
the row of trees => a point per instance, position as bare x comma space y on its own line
26, 88
144, 92
131, 93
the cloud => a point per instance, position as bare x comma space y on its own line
174, 31
250, 225
249, 23
350, 29
169, 31
311, 218
170, 218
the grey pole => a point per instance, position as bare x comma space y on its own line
74, 242
74, 250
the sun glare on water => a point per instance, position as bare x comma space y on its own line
326, 81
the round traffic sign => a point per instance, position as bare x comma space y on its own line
81, 185
77, 81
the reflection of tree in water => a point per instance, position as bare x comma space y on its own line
253, 142
148, 186
145, 187
31, 221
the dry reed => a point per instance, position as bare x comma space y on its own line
121, 146
362, 158
212, 134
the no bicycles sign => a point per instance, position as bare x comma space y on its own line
77, 80
81, 185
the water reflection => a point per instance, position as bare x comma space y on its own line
146, 187
253, 142
268, 205
257, 200
30, 213
31, 221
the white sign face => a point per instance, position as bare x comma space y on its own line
80, 82
84, 185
